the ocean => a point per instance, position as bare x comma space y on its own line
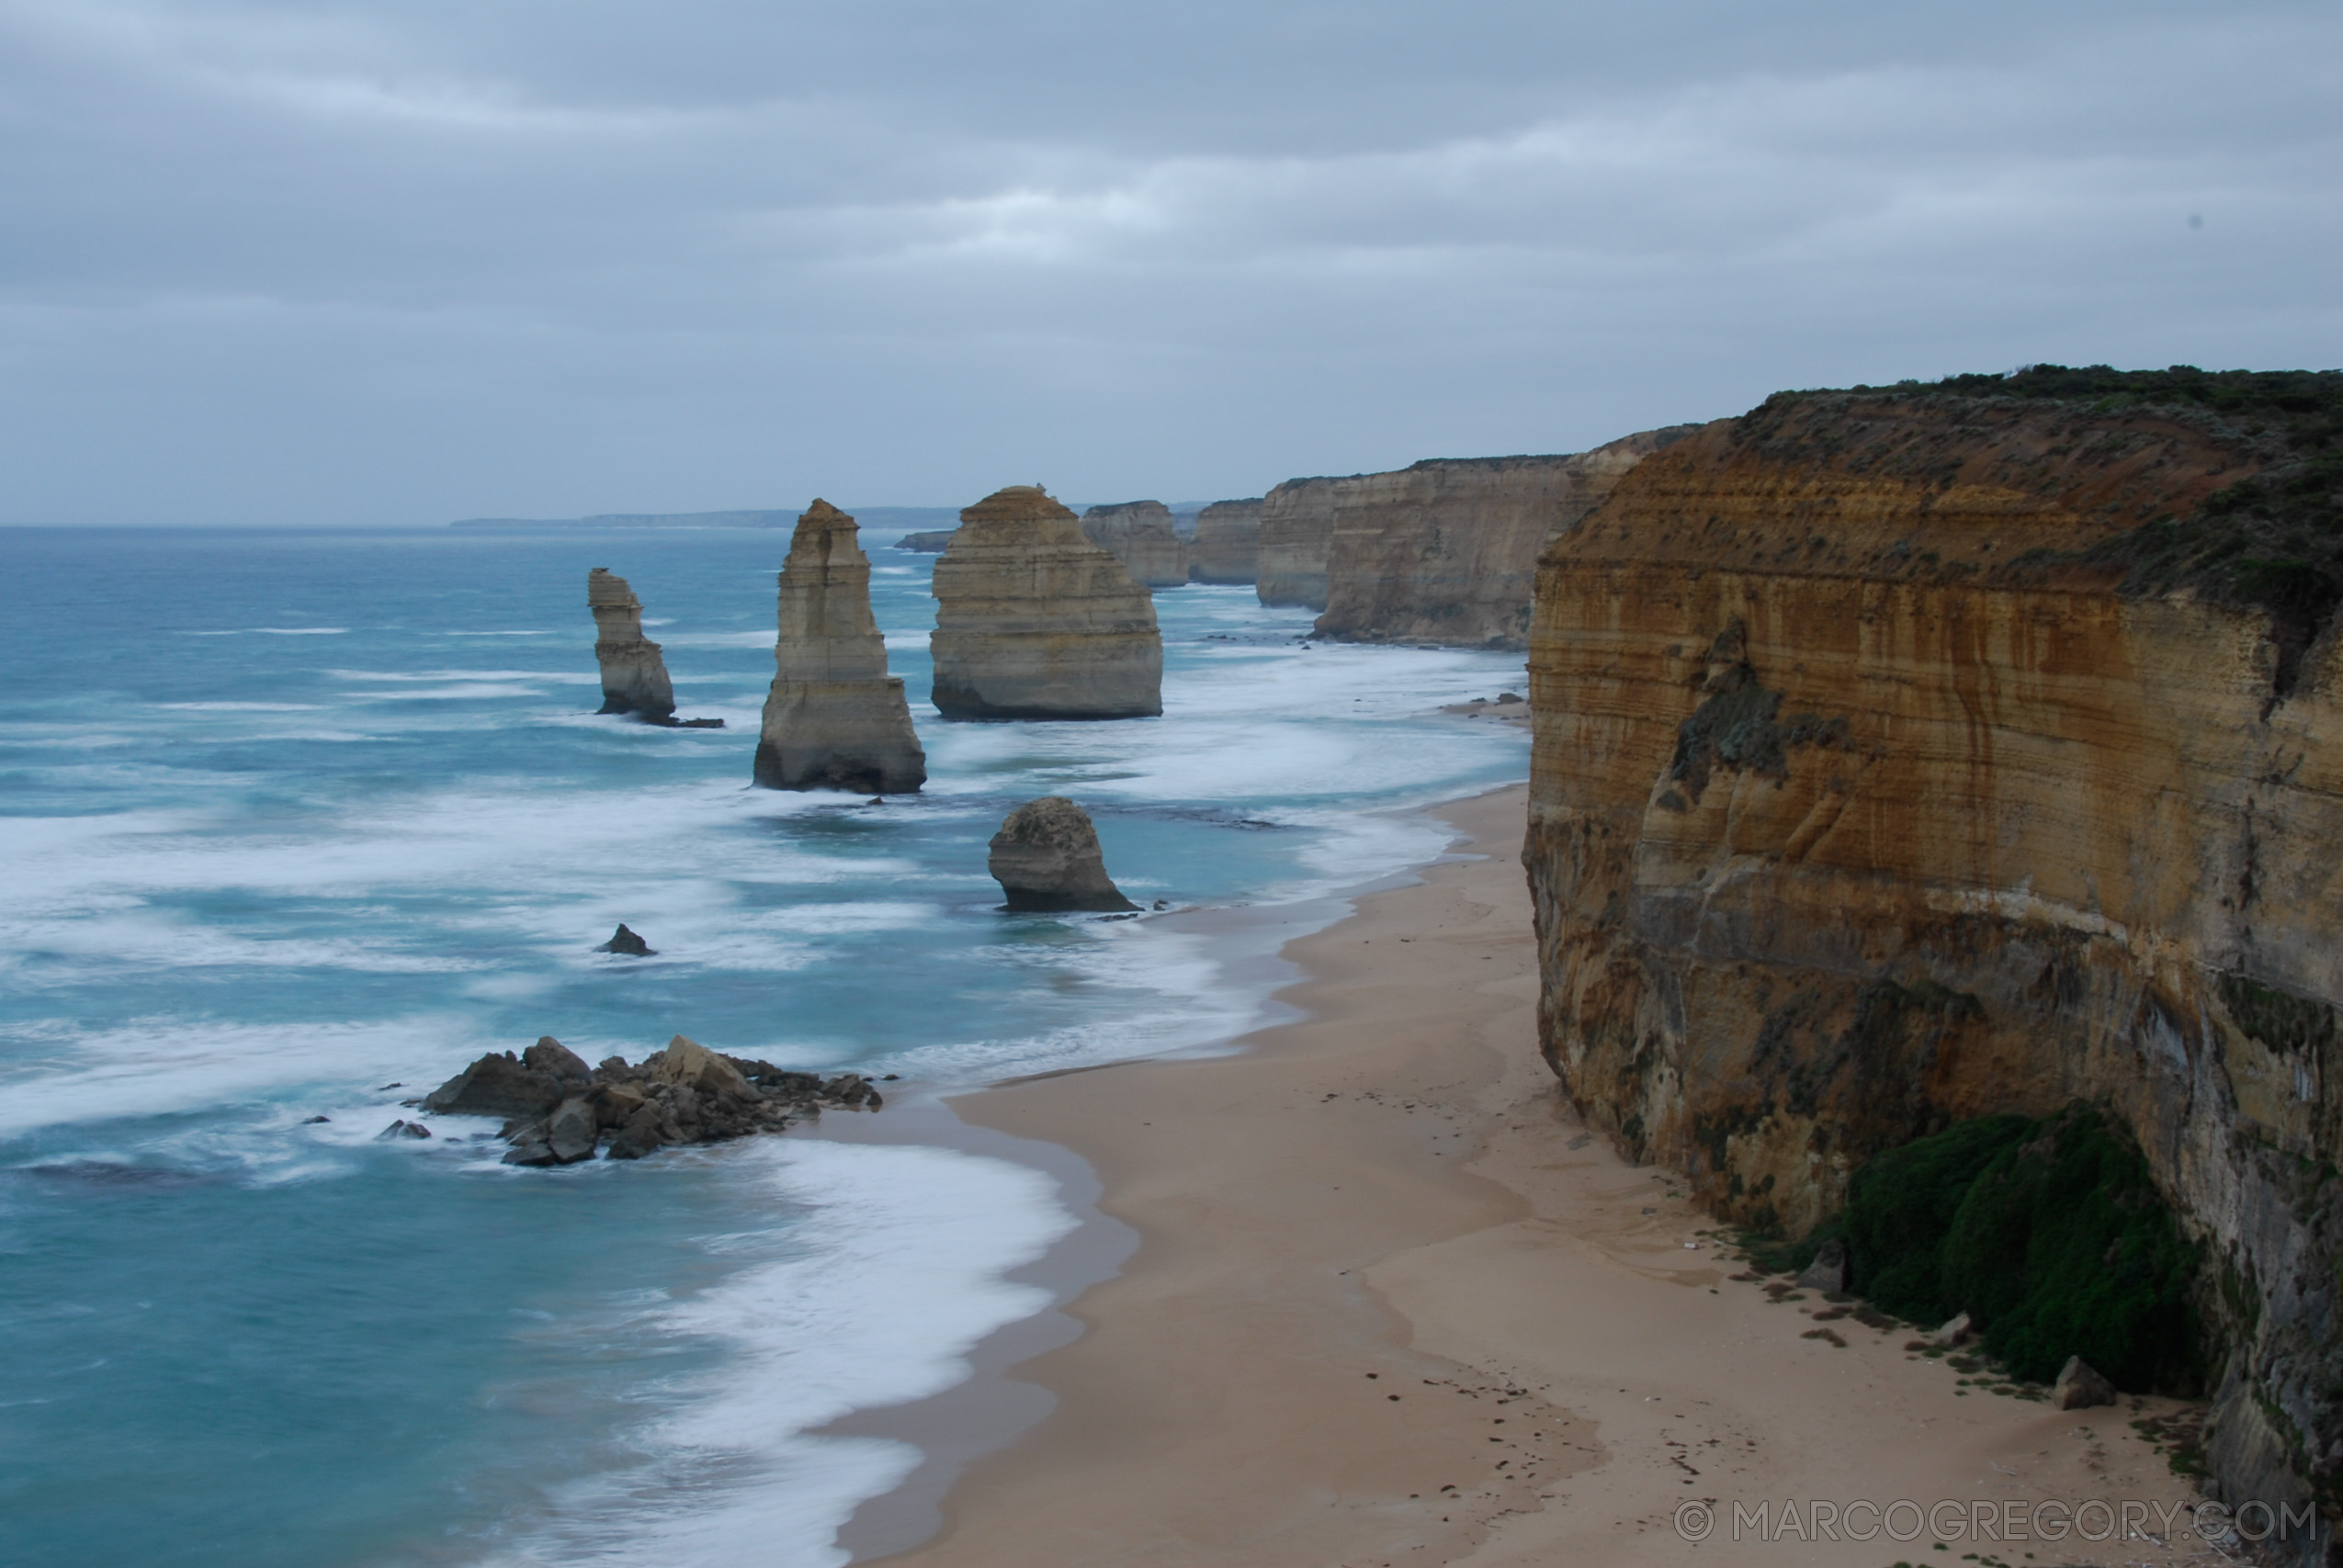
295, 823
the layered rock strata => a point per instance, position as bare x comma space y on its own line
1446, 551
557, 1110
1141, 535
1867, 798
834, 718
634, 677
1297, 528
1034, 621
1046, 856
1227, 545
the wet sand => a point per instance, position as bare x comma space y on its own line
1391, 1303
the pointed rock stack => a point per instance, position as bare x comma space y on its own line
634, 678
1034, 621
1140, 533
836, 719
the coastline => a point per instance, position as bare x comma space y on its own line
1389, 1302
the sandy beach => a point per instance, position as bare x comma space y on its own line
1391, 1303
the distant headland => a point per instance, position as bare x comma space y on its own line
877, 517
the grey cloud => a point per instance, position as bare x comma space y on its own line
376, 262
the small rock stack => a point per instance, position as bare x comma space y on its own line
634, 676
1047, 857
557, 1110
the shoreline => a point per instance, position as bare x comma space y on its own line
1388, 1301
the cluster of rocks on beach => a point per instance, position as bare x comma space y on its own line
557, 1110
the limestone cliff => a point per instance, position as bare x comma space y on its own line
1297, 526
1903, 757
1446, 551
634, 677
1140, 535
1034, 621
929, 543
1227, 546
834, 718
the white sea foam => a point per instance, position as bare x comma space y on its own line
902, 1255
241, 707
61, 1074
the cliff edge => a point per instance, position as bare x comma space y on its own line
1904, 756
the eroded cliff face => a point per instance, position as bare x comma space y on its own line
1034, 621
1863, 802
1141, 535
1227, 546
634, 675
1446, 551
834, 718
1297, 527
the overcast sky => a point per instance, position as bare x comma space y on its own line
382, 261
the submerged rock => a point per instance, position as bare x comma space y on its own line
400, 1129
1034, 621
1141, 535
627, 942
834, 718
1046, 856
634, 676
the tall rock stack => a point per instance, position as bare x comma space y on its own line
1141, 534
1227, 546
1034, 621
834, 719
634, 678
1297, 526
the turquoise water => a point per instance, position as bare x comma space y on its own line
294, 825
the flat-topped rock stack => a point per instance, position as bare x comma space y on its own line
1142, 535
634, 677
1034, 621
834, 718
1227, 546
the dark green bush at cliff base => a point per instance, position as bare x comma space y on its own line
2049, 1233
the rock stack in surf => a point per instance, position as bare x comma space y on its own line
1140, 533
1034, 621
634, 677
834, 718
1047, 857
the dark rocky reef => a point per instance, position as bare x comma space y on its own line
557, 1110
